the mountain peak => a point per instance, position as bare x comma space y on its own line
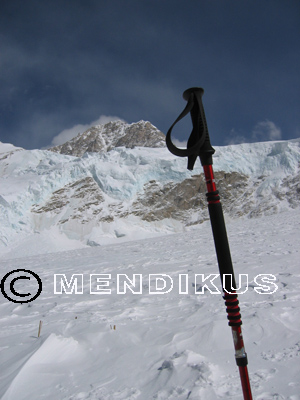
102, 138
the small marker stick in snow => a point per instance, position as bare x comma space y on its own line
40, 328
199, 145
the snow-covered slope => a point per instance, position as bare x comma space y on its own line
164, 346
57, 209
123, 194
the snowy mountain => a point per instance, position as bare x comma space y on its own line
56, 210
124, 193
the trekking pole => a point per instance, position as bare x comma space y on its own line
199, 145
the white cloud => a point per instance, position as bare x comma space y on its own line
235, 137
68, 134
266, 130
262, 131
180, 144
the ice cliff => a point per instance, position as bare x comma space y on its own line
122, 190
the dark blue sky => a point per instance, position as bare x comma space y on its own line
70, 62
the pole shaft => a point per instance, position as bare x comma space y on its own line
219, 229
245, 383
225, 267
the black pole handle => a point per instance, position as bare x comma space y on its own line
198, 143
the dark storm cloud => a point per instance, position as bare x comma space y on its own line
65, 63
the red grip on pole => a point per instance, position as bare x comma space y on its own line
210, 179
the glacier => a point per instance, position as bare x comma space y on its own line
43, 191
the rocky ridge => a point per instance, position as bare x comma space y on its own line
103, 138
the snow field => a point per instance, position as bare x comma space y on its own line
167, 346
